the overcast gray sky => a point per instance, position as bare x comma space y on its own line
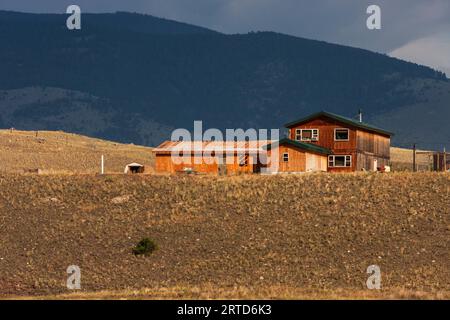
415, 30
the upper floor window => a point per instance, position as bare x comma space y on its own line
341, 134
307, 134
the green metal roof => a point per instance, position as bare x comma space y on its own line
300, 145
349, 121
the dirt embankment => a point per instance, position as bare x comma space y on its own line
312, 232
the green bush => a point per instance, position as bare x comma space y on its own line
145, 247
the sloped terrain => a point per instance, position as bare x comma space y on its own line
304, 232
134, 78
56, 152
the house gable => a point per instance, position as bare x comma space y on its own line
340, 119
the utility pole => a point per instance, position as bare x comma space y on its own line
445, 160
414, 158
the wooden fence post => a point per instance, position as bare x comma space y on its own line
445, 160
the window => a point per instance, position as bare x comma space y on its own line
285, 157
341, 134
298, 134
339, 161
307, 134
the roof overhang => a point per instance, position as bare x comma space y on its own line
345, 120
300, 145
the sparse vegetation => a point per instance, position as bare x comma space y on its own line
402, 160
145, 247
277, 236
56, 152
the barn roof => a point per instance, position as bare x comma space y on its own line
253, 146
134, 164
349, 121
301, 145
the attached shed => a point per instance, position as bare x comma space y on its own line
295, 156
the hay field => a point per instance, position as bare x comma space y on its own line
402, 160
311, 235
57, 152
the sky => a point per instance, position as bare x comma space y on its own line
413, 30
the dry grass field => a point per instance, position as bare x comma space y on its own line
306, 236
298, 236
402, 160
56, 152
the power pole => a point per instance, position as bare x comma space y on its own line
445, 160
414, 158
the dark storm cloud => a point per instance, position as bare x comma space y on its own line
339, 21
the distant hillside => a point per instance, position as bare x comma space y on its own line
66, 153
138, 77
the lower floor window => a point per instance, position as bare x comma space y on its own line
285, 157
339, 161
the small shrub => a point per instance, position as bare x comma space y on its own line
109, 179
145, 247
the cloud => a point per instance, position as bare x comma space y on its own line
433, 51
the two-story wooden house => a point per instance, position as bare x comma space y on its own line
354, 145
320, 142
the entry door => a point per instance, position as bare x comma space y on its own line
310, 162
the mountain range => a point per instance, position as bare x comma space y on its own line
134, 78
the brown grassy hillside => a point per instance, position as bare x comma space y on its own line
60, 152
402, 160
56, 152
255, 236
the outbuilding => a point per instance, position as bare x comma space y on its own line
134, 168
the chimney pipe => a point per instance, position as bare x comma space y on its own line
360, 115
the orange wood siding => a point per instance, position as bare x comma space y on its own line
315, 162
374, 144
297, 161
362, 145
326, 129
164, 164
326, 134
371, 147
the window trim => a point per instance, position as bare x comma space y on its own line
347, 159
348, 134
299, 134
285, 157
